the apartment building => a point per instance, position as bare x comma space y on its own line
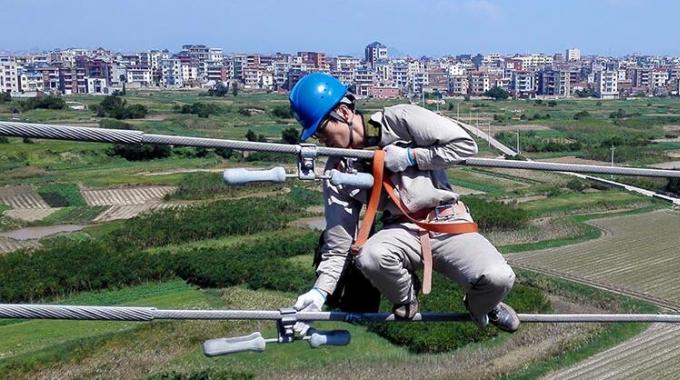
375, 52
171, 72
9, 78
606, 84
522, 84
572, 54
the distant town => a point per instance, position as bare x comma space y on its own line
377, 74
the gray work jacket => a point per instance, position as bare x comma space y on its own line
435, 141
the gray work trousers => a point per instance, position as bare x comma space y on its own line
469, 259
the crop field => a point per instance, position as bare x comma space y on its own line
21, 197
637, 255
127, 211
650, 355
125, 196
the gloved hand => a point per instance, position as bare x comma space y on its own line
398, 159
311, 301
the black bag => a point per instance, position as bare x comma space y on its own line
353, 293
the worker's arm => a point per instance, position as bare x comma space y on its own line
342, 215
437, 142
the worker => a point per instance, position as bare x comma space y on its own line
418, 146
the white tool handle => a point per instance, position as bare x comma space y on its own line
243, 176
223, 346
357, 180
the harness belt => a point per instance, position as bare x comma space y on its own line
424, 219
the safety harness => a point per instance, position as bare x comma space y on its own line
423, 219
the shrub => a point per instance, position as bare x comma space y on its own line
210, 185
114, 124
578, 184
552, 103
282, 112
491, 215
290, 136
115, 107
497, 93
61, 195
203, 110
206, 221
446, 296
5, 97
45, 102
140, 152
581, 115
4, 140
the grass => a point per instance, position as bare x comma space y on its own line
62, 195
574, 201
72, 215
46, 336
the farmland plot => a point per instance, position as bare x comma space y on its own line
125, 196
652, 354
637, 255
23, 197
9, 245
30, 214
118, 212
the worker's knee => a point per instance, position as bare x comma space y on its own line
499, 279
375, 258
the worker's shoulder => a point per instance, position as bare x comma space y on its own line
403, 110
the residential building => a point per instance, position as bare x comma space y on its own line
573, 54
171, 72
375, 52
606, 84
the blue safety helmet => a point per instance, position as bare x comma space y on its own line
312, 98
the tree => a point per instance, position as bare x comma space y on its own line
234, 88
497, 93
581, 115
220, 89
5, 97
251, 136
290, 135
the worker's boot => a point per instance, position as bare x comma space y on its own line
504, 317
407, 310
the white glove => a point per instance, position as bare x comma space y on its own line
311, 301
398, 159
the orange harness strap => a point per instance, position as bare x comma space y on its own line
380, 181
373, 201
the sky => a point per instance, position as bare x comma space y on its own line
407, 27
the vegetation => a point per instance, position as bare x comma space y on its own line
61, 195
497, 93
43, 102
446, 296
201, 109
115, 107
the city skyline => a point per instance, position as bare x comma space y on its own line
433, 28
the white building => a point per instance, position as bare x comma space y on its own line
31, 81
138, 75
9, 78
189, 73
659, 78
97, 86
606, 84
533, 61
573, 54
215, 54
